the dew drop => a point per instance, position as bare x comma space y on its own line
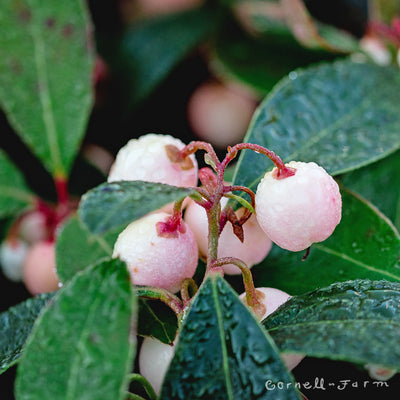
292, 75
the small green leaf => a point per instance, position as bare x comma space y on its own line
116, 204
356, 321
82, 345
147, 52
380, 184
364, 245
157, 320
77, 248
14, 193
222, 352
330, 114
16, 325
45, 53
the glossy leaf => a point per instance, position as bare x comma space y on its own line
364, 245
329, 114
45, 76
82, 345
356, 321
114, 205
16, 325
77, 248
149, 49
222, 352
380, 184
14, 192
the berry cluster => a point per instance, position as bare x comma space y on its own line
28, 254
295, 205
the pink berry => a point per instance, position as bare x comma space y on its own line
154, 360
272, 299
33, 227
220, 114
379, 372
146, 159
12, 258
301, 209
98, 156
156, 7
157, 260
252, 251
39, 273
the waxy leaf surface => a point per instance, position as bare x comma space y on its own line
223, 353
82, 345
116, 204
380, 184
16, 325
45, 76
356, 321
329, 114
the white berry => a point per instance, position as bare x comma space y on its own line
146, 159
272, 299
154, 360
39, 272
301, 209
12, 257
155, 260
252, 250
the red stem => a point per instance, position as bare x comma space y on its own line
232, 152
192, 147
61, 185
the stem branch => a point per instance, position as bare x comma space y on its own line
153, 293
145, 383
251, 292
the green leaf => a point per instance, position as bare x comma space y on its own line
82, 345
77, 248
157, 320
271, 60
16, 325
149, 49
222, 352
356, 321
365, 245
114, 205
14, 193
380, 184
45, 53
341, 115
